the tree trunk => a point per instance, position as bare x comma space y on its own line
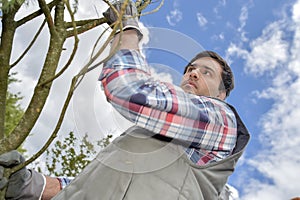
41, 92
6, 43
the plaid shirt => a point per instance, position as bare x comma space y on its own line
205, 127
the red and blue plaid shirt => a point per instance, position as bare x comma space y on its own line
208, 126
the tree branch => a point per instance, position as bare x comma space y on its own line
76, 41
146, 3
29, 46
117, 25
85, 25
45, 9
36, 13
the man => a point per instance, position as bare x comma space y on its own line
185, 141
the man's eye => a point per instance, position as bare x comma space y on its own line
207, 73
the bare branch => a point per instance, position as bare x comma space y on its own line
85, 25
91, 67
29, 46
36, 14
79, 23
152, 11
141, 5
93, 58
45, 9
138, 3
116, 26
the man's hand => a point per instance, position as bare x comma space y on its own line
130, 15
24, 184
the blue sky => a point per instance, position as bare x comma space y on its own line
260, 40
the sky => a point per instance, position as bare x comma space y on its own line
260, 40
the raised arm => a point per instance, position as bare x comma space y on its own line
127, 40
162, 107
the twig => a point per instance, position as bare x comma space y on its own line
29, 46
154, 10
44, 7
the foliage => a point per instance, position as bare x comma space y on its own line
67, 158
13, 112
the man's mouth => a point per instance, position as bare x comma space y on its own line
191, 83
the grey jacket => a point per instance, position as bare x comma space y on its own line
138, 166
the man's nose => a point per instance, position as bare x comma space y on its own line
194, 75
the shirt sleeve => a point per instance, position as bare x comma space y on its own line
64, 181
165, 109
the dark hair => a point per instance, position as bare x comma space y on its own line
227, 75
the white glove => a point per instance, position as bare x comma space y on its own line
130, 17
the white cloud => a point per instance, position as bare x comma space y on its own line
219, 37
268, 51
277, 56
162, 73
243, 21
221, 3
202, 21
174, 17
243, 18
94, 8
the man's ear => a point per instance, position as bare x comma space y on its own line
222, 94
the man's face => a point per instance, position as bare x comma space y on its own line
203, 78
